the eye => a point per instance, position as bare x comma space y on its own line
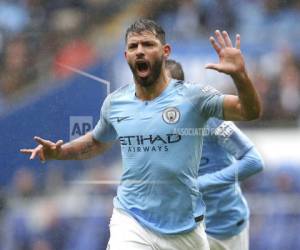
132, 46
148, 44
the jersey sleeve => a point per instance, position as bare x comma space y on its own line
248, 161
250, 164
104, 130
208, 101
231, 138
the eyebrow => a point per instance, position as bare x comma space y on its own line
143, 40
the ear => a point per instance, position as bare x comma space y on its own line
125, 54
166, 50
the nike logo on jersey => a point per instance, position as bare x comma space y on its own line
119, 119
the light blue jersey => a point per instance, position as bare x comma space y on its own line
228, 156
158, 184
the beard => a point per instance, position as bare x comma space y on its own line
155, 70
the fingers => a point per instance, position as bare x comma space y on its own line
212, 66
215, 45
32, 152
59, 143
238, 41
227, 39
220, 38
224, 41
42, 156
36, 151
43, 142
26, 151
40, 149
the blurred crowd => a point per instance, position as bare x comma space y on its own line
39, 37
269, 41
54, 214
273, 197
57, 215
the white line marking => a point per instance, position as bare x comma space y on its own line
80, 72
115, 182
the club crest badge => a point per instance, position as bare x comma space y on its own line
171, 115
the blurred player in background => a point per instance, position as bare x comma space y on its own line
228, 156
158, 205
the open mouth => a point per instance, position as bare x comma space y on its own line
142, 68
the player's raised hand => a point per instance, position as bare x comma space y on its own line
46, 149
231, 60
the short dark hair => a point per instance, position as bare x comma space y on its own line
147, 25
175, 69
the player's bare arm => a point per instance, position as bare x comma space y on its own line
84, 147
245, 106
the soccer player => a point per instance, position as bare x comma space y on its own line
228, 156
156, 202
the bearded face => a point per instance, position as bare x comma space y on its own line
146, 72
144, 54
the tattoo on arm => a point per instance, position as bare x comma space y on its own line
87, 150
75, 150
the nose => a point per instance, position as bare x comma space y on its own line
140, 50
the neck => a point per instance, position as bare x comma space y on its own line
154, 90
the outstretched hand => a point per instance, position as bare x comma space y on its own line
46, 149
231, 60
